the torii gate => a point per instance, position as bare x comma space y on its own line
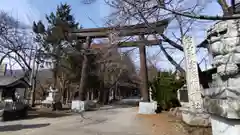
130, 30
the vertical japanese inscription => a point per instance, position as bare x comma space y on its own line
193, 85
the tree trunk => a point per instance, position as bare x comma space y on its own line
114, 94
91, 96
225, 8
83, 79
101, 96
55, 72
84, 73
67, 95
105, 96
95, 94
119, 94
34, 84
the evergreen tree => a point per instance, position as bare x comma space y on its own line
164, 89
55, 39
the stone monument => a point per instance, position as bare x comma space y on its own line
53, 96
223, 100
192, 112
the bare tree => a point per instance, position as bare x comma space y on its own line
183, 14
114, 69
17, 45
16, 41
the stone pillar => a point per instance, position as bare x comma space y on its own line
193, 85
193, 113
222, 101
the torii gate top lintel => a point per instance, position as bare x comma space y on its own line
129, 30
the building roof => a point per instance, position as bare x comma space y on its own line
9, 81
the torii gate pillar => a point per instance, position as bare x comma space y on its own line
143, 71
145, 106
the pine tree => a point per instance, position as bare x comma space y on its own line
54, 38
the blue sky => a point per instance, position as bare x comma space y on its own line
28, 11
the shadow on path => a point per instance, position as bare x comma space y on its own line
46, 113
20, 127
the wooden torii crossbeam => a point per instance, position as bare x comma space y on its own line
130, 30
129, 43
124, 31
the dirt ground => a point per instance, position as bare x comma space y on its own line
162, 124
166, 124
106, 121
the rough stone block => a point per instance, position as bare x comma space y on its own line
218, 27
79, 106
223, 126
147, 107
216, 80
227, 70
231, 27
195, 117
176, 112
237, 49
222, 93
90, 105
224, 45
232, 82
216, 92
223, 107
217, 48
228, 58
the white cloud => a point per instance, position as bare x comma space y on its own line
22, 10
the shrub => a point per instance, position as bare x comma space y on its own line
164, 90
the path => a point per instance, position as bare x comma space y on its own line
118, 121
108, 121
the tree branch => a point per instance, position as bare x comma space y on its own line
201, 17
